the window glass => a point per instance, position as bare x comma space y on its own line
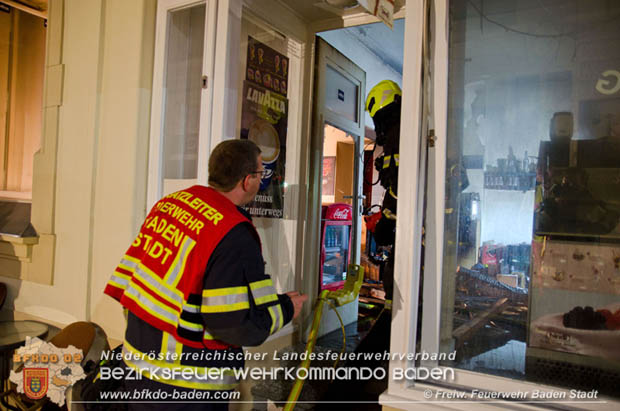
182, 88
22, 67
341, 94
269, 96
531, 267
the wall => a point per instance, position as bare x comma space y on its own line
332, 140
121, 156
345, 165
504, 208
90, 196
5, 33
502, 113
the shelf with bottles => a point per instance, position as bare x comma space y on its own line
336, 239
509, 181
511, 173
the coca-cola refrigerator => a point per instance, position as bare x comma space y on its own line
335, 245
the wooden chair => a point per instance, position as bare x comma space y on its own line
3, 292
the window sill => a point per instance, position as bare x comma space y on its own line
16, 196
28, 258
17, 248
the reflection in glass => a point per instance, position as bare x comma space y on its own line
532, 206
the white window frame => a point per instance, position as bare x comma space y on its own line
155, 170
407, 394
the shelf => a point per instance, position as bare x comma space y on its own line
509, 181
612, 237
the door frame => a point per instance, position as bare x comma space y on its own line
320, 118
406, 393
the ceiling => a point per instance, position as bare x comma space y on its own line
313, 11
387, 45
309, 12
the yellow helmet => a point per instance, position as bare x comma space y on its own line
381, 95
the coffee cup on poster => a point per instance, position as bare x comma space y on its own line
266, 138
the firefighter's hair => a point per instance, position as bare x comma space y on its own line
230, 162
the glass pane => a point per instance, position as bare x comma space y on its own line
336, 253
338, 166
22, 68
337, 191
182, 90
531, 281
340, 94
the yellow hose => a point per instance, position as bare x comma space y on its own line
299, 383
349, 292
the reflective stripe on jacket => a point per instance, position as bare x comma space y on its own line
160, 278
167, 370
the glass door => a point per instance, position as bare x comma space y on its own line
341, 85
338, 109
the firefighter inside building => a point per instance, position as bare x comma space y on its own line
384, 104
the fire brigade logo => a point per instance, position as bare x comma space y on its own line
36, 382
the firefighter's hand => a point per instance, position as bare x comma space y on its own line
298, 301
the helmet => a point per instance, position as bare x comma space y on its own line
381, 95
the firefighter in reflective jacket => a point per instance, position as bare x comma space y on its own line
194, 285
384, 103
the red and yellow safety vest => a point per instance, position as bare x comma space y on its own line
160, 278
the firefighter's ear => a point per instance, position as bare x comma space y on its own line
246, 183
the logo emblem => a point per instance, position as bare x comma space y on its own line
36, 382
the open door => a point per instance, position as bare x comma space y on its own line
339, 109
338, 144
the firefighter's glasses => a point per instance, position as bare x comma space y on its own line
262, 173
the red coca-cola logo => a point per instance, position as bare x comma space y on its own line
339, 212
